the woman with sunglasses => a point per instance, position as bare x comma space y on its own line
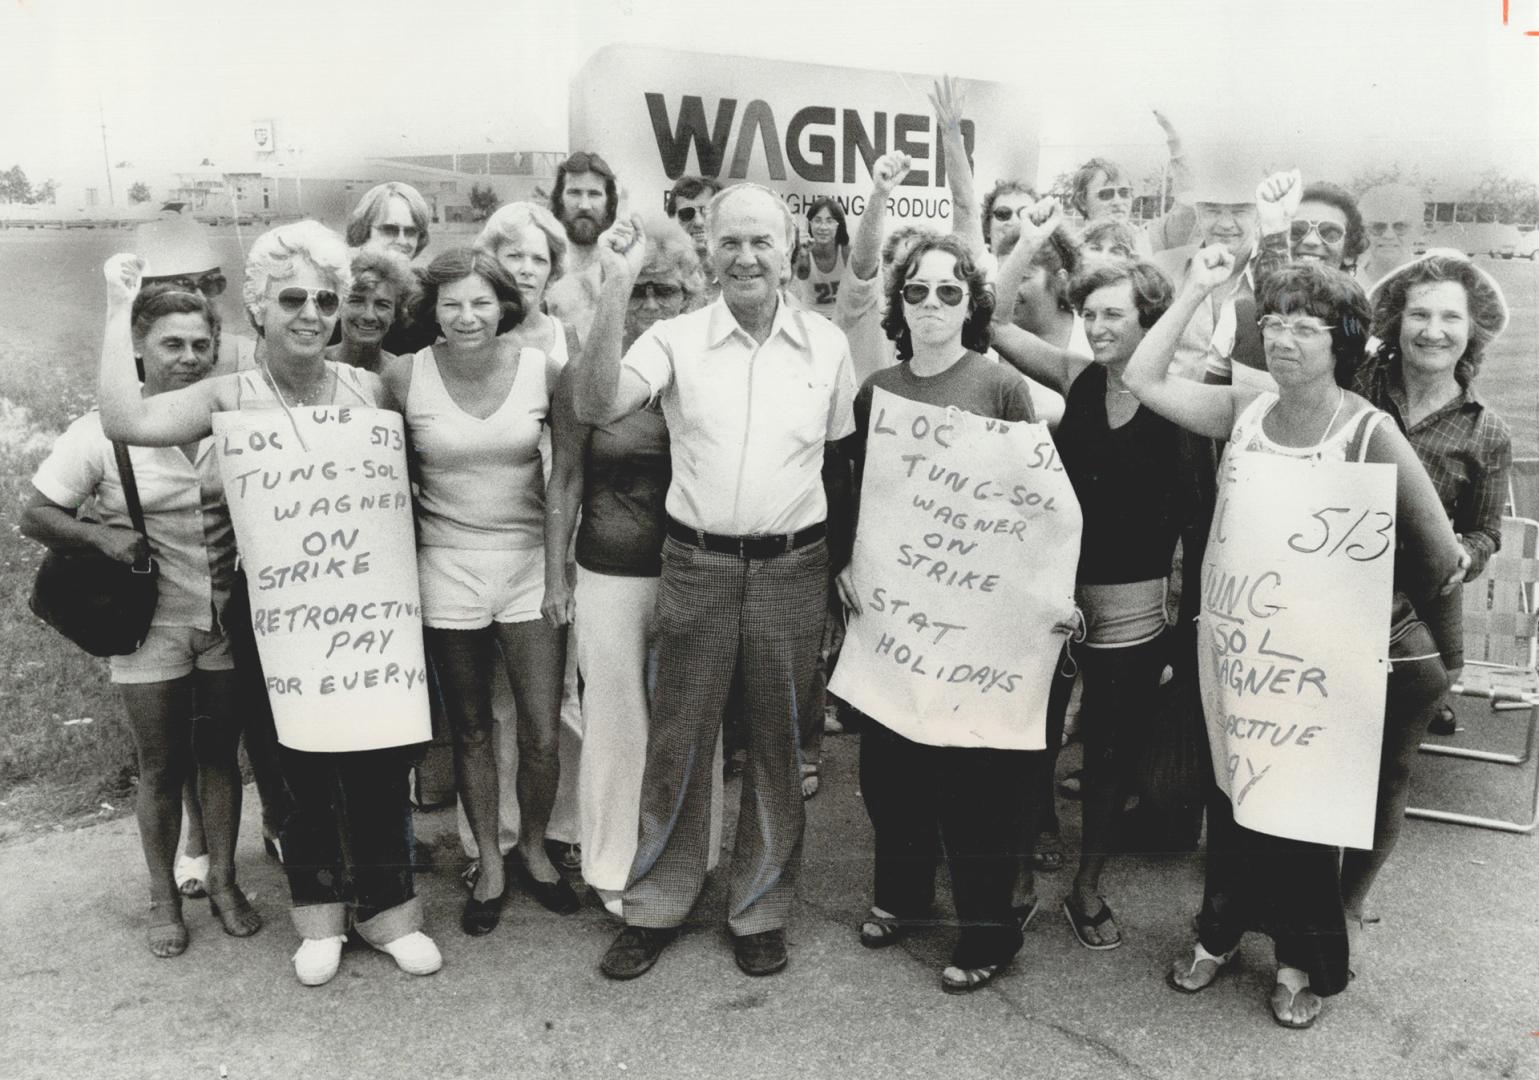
178, 688
347, 839
393, 217
614, 478
962, 798
1127, 465
381, 297
1314, 328
1435, 318
1328, 228
476, 406
823, 258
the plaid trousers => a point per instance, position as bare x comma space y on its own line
719, 615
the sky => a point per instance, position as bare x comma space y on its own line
1333, 86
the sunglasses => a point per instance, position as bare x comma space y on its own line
1379, 228
210, 285
1004, 213
1107, 194
1328, 231
917, 292
293, 299
686, 214
399, 232
660, 291
1274, 326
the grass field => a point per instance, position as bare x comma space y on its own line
55, 767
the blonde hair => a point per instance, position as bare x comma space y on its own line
504, 226
275, 254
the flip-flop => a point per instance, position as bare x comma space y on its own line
1221, 964
1026, 912
1080, 922
955, 980
1277, 1003
166, 933
810, 779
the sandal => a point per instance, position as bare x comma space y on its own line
166, 934
1024, 913
955, 980
810, 779
881, 930
1217, 966
191, 874
1080, 922
234, 912
1047, 857
1291, 985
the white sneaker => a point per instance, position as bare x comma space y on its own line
317, 960
415, 953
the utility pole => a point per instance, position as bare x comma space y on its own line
106, 158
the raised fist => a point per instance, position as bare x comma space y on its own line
125, 275
889, 171
1211, 267
1277, 200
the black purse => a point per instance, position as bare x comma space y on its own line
100, 604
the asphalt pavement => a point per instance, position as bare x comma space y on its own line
1448, 983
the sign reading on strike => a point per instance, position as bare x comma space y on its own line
805, 130
323, 519
964, 564
1293, 638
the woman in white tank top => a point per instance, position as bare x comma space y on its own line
347, 838
476, 406
1314, 326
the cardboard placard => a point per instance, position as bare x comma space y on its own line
964, 563
323, 519
1293, 641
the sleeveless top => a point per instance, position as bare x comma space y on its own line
1127, 480
819, 290
626, 471
481, 481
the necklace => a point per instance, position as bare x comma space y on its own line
318, 393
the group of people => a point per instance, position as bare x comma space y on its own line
643, 442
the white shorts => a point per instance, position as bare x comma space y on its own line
468, 588
172, 652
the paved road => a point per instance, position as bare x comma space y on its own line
1449, 989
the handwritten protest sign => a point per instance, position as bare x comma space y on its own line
1293, 638
964, 564
323, 519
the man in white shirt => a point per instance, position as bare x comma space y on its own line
753, 390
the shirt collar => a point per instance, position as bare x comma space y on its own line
788, 321
1395, 380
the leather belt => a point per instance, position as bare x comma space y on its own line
747, 547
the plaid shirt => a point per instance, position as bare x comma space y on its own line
1464, 446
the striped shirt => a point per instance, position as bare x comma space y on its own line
1464, 446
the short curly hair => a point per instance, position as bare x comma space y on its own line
1341, 199
275, 254
1109, 232
1152, 291
372, 207
155, 302
1487, 306
389, 268
1003, 187
1329, 294
980, 300
459, 263
504, 225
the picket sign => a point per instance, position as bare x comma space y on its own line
964, 564
1293, 642
323, 520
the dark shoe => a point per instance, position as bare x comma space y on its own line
760, 954
480, 916
1443, 723
557, 896
635, 951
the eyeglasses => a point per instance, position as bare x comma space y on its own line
1004, 213
210, 285
398, 232
1328, 231
917, 292
686, 214
661, 291
1305, 333
293, 300
1379, 228
1107, 194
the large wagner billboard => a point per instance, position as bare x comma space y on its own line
805, 130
